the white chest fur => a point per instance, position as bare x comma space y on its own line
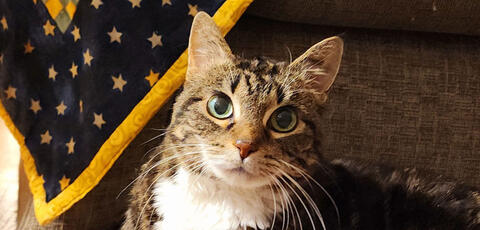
189, 202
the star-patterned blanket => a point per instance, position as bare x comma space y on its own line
80, 78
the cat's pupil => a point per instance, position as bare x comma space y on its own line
284, 119
221, 105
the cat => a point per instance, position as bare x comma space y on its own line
242, 151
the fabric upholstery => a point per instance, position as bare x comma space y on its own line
460, 16
401, 98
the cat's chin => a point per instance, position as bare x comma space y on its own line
240, 177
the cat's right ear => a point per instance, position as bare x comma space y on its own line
206, 47
320, 63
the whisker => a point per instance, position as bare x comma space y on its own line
300, 199
319, 185
291, 204
309, 199
274, 207
158, 136
142, 175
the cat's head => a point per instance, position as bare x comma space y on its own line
244, 121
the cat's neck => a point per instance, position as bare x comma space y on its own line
196, 198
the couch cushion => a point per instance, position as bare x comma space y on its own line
461, 16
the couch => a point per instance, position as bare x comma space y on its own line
407, 94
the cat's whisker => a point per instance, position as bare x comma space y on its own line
305, 174
291, 205
300, 199
156, 137
281, 200
168, 170
143, 210
307, 197
282, 203
172, 147
274, 206
142, 175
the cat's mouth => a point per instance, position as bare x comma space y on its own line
240, 169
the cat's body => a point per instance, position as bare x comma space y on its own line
244, 142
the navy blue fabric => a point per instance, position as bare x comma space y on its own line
133, 58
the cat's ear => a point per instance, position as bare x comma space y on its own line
207, 46
321, 62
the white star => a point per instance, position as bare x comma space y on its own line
46, 138
35, 107
98, 120
87, 58
166, 2
135, 3
74, 70
52, 73
61, 109
70, 145
11, 92
156, 40
76, 33
192, 10
96, 3
80, 104
115, 36
118, 82
4, 23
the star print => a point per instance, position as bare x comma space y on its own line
192, 10
35, 107
11, 92
80, 104
118, 82
49, 28
166, 2
61, 109
64, 182
46, 138
4, 23
76, 33
152, 78
74, 70
156, 40
115, 36
52, 73
87, 58
135, 3
71, 145
98, 120
28, 47
96, 3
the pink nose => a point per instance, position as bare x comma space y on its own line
246, 148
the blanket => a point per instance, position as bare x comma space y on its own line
79, 79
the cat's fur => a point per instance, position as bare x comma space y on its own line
197, 180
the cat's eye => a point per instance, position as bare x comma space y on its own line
220, 106
283, 120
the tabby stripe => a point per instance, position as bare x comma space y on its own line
249, 85
235, 82
187, 103
280, 95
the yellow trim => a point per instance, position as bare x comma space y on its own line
225, 17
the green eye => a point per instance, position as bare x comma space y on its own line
283, 120
220, 106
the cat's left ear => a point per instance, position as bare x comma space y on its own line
321, 62
206, 47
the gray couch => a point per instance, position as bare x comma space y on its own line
407, 95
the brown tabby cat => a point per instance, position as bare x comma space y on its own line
242, 152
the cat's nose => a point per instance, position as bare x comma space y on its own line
246, 148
